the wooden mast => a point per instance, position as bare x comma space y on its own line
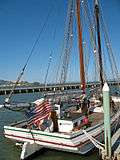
99, 42
82, 72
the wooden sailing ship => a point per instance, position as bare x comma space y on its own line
64, 128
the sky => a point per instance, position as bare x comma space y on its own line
21, 21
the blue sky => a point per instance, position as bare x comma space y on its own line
20, 24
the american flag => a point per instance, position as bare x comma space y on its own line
41, 111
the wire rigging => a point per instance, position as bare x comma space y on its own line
7, 100
92, 29
48, 67
67, 45
109, 48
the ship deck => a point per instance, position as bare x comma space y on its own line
96, 118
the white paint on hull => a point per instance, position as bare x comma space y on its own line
76, 142
29, 149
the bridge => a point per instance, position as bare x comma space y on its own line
49, 88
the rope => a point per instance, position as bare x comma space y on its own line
86, 59
67, 45
109, 48
29, 128
49, 62
7, 100
91, 27
94, 141
117, 123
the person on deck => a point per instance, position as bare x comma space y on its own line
85, 121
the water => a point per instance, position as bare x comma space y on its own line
8, 150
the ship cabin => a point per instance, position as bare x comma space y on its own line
69, 122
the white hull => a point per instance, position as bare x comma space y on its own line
76, 142
29, 149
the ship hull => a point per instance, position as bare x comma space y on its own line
76, 142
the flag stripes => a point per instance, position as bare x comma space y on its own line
39, 112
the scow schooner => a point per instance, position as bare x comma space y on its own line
56, 124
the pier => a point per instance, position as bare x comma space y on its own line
4, 90
110, 150
112, 143
115, 148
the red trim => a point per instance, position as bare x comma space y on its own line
42, 141
80, 144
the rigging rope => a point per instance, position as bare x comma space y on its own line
91, 27
94, 141
7, 100
86, 58
109, 48
49, 62
68, 37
